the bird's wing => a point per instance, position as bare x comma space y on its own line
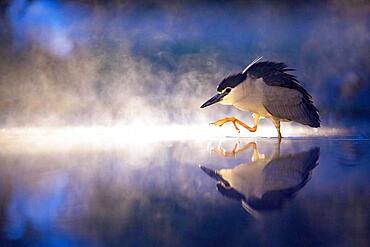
289, 173
289, 104
285, 98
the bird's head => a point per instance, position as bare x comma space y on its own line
226, 90
223, 186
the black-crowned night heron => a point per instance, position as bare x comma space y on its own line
267, 90
265, 182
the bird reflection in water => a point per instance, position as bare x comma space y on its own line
264, 183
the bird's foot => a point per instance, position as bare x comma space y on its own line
236, 149
222, 121
224, 153
235, 121
279, 138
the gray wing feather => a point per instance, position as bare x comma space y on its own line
292, 106
285, 104
290, 172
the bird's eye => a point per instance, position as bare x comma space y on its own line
228, 90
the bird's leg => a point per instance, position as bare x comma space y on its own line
256, 119
256, 155
235, 121
277, 126
276, 153
222, 152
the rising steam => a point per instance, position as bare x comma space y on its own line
78, 64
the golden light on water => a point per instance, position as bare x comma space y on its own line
34, 139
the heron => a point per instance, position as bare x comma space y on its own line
265, 182
267, 90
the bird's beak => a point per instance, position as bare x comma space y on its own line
217, 98
214, 174
210, 172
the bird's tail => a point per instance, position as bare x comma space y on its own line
312, 117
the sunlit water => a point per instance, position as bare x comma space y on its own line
56, 190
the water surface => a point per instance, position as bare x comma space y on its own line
303, 192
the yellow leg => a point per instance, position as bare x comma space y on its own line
222, 152
235, 121
277, 126
256, 119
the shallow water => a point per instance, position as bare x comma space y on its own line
303, 192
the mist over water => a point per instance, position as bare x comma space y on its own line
103, 142
79, 63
